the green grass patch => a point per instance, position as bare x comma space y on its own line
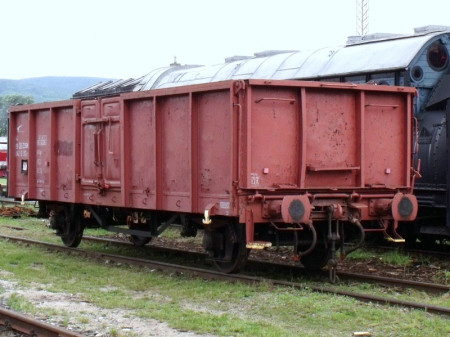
19, 303
193, 304
395, 258
442, 276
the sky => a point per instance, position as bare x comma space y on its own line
128, 39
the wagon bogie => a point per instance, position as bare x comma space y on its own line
226, 247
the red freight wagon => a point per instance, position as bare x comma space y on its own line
253, 163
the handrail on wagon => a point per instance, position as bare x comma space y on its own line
340, 168
290, 100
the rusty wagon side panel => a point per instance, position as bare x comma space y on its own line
326, 137
179, 149
44, 152
172, 150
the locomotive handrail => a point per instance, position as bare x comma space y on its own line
415, 174
416, 136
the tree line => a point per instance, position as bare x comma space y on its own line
5, 103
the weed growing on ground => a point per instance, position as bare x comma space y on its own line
395, 258
20, 303
193, 304
442, 276
189, 303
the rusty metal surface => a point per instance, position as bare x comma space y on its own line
32, 327
44, 151
206, 147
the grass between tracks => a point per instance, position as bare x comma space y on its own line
194, 304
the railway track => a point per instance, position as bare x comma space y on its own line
441, 250
13, 321
214, 275
256, 265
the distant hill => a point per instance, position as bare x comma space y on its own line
47, 89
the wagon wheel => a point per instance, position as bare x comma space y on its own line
318, 258
234, 254
138, 240
69, 222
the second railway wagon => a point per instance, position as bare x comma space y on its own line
252, 163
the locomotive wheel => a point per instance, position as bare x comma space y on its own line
319, 257
234, 254
69, 221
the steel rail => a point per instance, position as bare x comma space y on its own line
431, 287
215, 275
32, 327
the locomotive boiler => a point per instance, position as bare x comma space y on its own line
252, 163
